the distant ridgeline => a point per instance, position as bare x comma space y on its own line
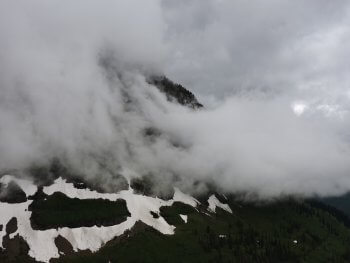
175, 91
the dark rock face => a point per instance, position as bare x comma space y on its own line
39, 195
11, 226
63, 245
175, 92
171, 214
154, 214
12, 194
15, 250
58, 210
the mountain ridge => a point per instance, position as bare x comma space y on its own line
47, 219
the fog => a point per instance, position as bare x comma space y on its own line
272, 76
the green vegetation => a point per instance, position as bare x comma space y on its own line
172, 213
341, 202
58, 210
254, 233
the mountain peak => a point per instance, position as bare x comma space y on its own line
175, 91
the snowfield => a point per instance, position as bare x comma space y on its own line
41, 243
184, 218
214, 203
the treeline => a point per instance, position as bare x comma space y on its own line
341, 216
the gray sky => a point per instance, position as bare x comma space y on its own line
273, 75
263, 48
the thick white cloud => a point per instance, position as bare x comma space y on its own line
72, 86
259, 48
54, 94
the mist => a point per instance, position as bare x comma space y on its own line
73, 86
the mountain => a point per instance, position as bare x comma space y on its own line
54, 215
342, 203
175, 92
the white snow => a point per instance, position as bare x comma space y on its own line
184, 218
41, 243
139, 206
61, 185
214, 202
8, 211
93, 238
184, 198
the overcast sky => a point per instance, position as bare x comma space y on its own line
273, 76
263, 48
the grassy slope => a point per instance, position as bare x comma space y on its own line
253, 234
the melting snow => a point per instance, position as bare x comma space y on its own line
184, 218
183, 198
214, 202
41, 243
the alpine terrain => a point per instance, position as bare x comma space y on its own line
50, 213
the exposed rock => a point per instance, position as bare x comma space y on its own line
15, 251
12, 194
11, 226
63, 246
58, 210
175, 92
154, 214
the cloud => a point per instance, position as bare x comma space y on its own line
54, 94
263, 147
256, 48
73, 86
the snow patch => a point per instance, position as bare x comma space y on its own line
184, 218
41, 243
184, 198
139, 206
8, 211
214, 202
61, 185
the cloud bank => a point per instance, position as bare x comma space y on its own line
73, 86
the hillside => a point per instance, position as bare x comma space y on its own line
222, 229
341, 202
53, 215
287, 231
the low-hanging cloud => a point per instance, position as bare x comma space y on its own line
259, 48
73, 86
